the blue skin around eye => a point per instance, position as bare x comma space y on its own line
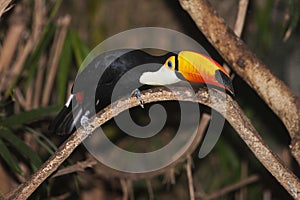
170, 64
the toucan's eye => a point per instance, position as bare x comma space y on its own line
170, 64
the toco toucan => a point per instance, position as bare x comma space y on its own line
96, 83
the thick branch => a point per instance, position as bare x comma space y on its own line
232, 113
272, 90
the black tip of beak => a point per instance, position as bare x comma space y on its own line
222, 78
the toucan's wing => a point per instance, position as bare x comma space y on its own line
67, 119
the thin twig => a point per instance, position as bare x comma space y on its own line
10, 44
124, 189
241, 16
244, 173
78, 167
150, 189
232, 113
188, 169
19, 97
267, 194
131, 191
230, 188
39, 82
169, 177
127, 189
13, 36
39, 19
18, 65
54, 58
29, 96
239, 23
287, 34
4, 6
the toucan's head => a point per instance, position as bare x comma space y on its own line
165, 75
190, 66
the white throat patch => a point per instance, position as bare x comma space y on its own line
163, 76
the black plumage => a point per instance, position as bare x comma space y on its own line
117, 73
97, 82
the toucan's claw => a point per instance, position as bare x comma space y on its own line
84, 122
137, 94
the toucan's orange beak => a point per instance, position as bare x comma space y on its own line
195, 67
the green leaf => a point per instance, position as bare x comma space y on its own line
21, 147
262, 20
80, 49
47, 144
17, 120
9, 158
55, 9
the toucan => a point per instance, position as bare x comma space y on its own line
127, 70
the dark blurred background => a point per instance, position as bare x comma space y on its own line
30, 99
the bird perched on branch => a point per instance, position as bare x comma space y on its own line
119, 72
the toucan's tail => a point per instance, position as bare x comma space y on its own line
66, 120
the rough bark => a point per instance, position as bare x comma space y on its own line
236, 53
232, 113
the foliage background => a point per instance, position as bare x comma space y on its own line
53, 39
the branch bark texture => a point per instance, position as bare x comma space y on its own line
232, 113
272, 90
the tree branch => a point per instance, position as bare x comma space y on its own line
272, 90
230, 188
4, 6
232, 113
77, 167
241, 17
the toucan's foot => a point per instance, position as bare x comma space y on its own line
84, 121
137, 94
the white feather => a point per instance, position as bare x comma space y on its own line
69, 100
